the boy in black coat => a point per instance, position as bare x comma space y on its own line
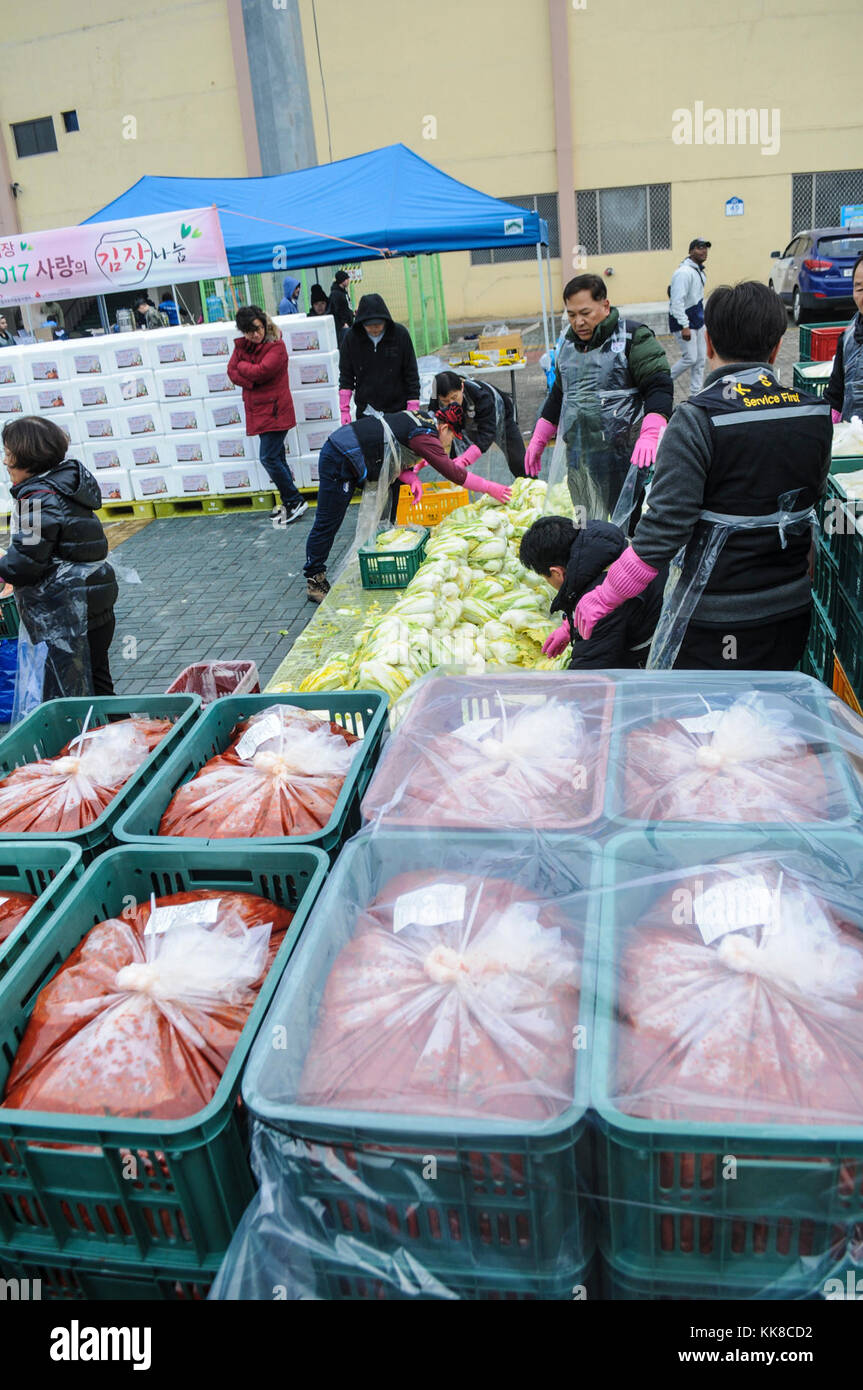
574, 560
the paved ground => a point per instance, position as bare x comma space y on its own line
232, 586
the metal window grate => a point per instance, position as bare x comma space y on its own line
543, 203
817, 199
612, 221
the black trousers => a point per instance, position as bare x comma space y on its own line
64, 674
514, 448
775, 645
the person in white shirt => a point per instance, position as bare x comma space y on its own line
686, 314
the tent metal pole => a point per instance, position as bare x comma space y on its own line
551, 313
409, 295
103, 313
542, 295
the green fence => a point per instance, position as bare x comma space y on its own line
412, 287
233, 292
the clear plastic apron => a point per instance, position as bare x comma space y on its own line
681, 598
53, 648
852, 362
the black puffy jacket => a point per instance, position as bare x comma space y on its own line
622, 639
385, 375
58, 522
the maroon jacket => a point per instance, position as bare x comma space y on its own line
261, 369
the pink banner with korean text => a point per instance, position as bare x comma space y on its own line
110, 257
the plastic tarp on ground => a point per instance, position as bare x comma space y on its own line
386, 201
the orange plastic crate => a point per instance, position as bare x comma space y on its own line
437, 500
843, 688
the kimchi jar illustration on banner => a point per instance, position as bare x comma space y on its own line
124, 257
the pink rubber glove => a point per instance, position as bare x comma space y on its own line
543, 434
345, 406
836, 416
624, 579
495, 490
470, 455
412, 405
647, 443
410, 479
557, 641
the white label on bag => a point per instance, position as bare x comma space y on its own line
704, 723
475, 730
202, 914
259, 733
429, 907
732, 905
4, 900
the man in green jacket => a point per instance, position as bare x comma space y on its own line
611, 398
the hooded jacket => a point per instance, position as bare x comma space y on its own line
59, 522
622, 639
261, 369
288, 305
385, 374
339, 305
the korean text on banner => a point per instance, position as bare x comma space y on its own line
106, 257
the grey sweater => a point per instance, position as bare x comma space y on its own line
676, 499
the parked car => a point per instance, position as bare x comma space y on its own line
814, 271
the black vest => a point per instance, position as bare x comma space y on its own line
369, 434
767, 440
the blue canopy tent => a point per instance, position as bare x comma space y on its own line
389, 202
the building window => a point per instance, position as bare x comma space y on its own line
35, 137
616, 220
543, 203
70, 121
817, 200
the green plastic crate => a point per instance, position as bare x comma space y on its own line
722, 688
360, 1282
813, 386
836, 519
506, 1193
10, 619
45, 868
849, 647
805, 336
85, 1281
621, 1281
66, 1186
360, 711
663, 1204
392, 569
52, 725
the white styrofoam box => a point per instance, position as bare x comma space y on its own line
312, 465
292, 444
130, 352
213, 343
184, 416
313, 435
301, 470
319, 404
114, 485
71, 423
239, 477
182, 384
196, 480
50, 396
12, 371
216, 382
169, 347
136, 386
188, 448
87, 359
46, 362
15, 400
310, 369
140, 419
228, 445
94, 393
99, 424
5, 498
112, 453
224, 414
154, 484
149, 451
316, 334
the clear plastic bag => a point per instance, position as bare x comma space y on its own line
144, 1015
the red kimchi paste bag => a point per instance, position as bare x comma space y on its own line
142, 1023
13, 909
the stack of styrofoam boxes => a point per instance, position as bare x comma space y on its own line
313, 373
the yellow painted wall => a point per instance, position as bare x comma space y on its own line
168, 64
484, 70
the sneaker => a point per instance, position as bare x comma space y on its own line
317, 587
292, 513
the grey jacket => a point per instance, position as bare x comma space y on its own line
676, 499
